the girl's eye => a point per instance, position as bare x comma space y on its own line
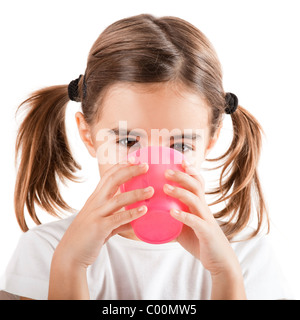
127, 142
180, 146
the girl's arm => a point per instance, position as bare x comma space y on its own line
228, 286
67, 280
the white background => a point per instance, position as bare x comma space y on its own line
47, 42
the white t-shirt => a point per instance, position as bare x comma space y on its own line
130, 269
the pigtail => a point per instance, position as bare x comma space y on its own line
239, 174
44, 154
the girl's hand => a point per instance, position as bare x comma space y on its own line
97, 221
101, 217
201, 234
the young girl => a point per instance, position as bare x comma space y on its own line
150, 73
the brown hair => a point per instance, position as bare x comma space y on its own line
138, 49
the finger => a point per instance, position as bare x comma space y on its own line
124, 163
186, 181
122, 228
113, 181
114, 168
103, 179
192, 171
124, 199
189, 219
123, 217
120, 176
194, 203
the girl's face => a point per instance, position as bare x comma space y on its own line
139, 115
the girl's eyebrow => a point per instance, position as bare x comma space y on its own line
194, 136
118, 132
123, 132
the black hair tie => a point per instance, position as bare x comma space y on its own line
73, 89
231, 102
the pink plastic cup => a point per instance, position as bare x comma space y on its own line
157, 225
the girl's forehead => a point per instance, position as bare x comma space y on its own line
153, 106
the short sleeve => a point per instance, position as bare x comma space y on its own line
263, 276
27, 273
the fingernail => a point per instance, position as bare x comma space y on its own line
143, 165
170, 172
187, 162
176, 211
148, 189
169, 187
192, 170
131, 159
142, 209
